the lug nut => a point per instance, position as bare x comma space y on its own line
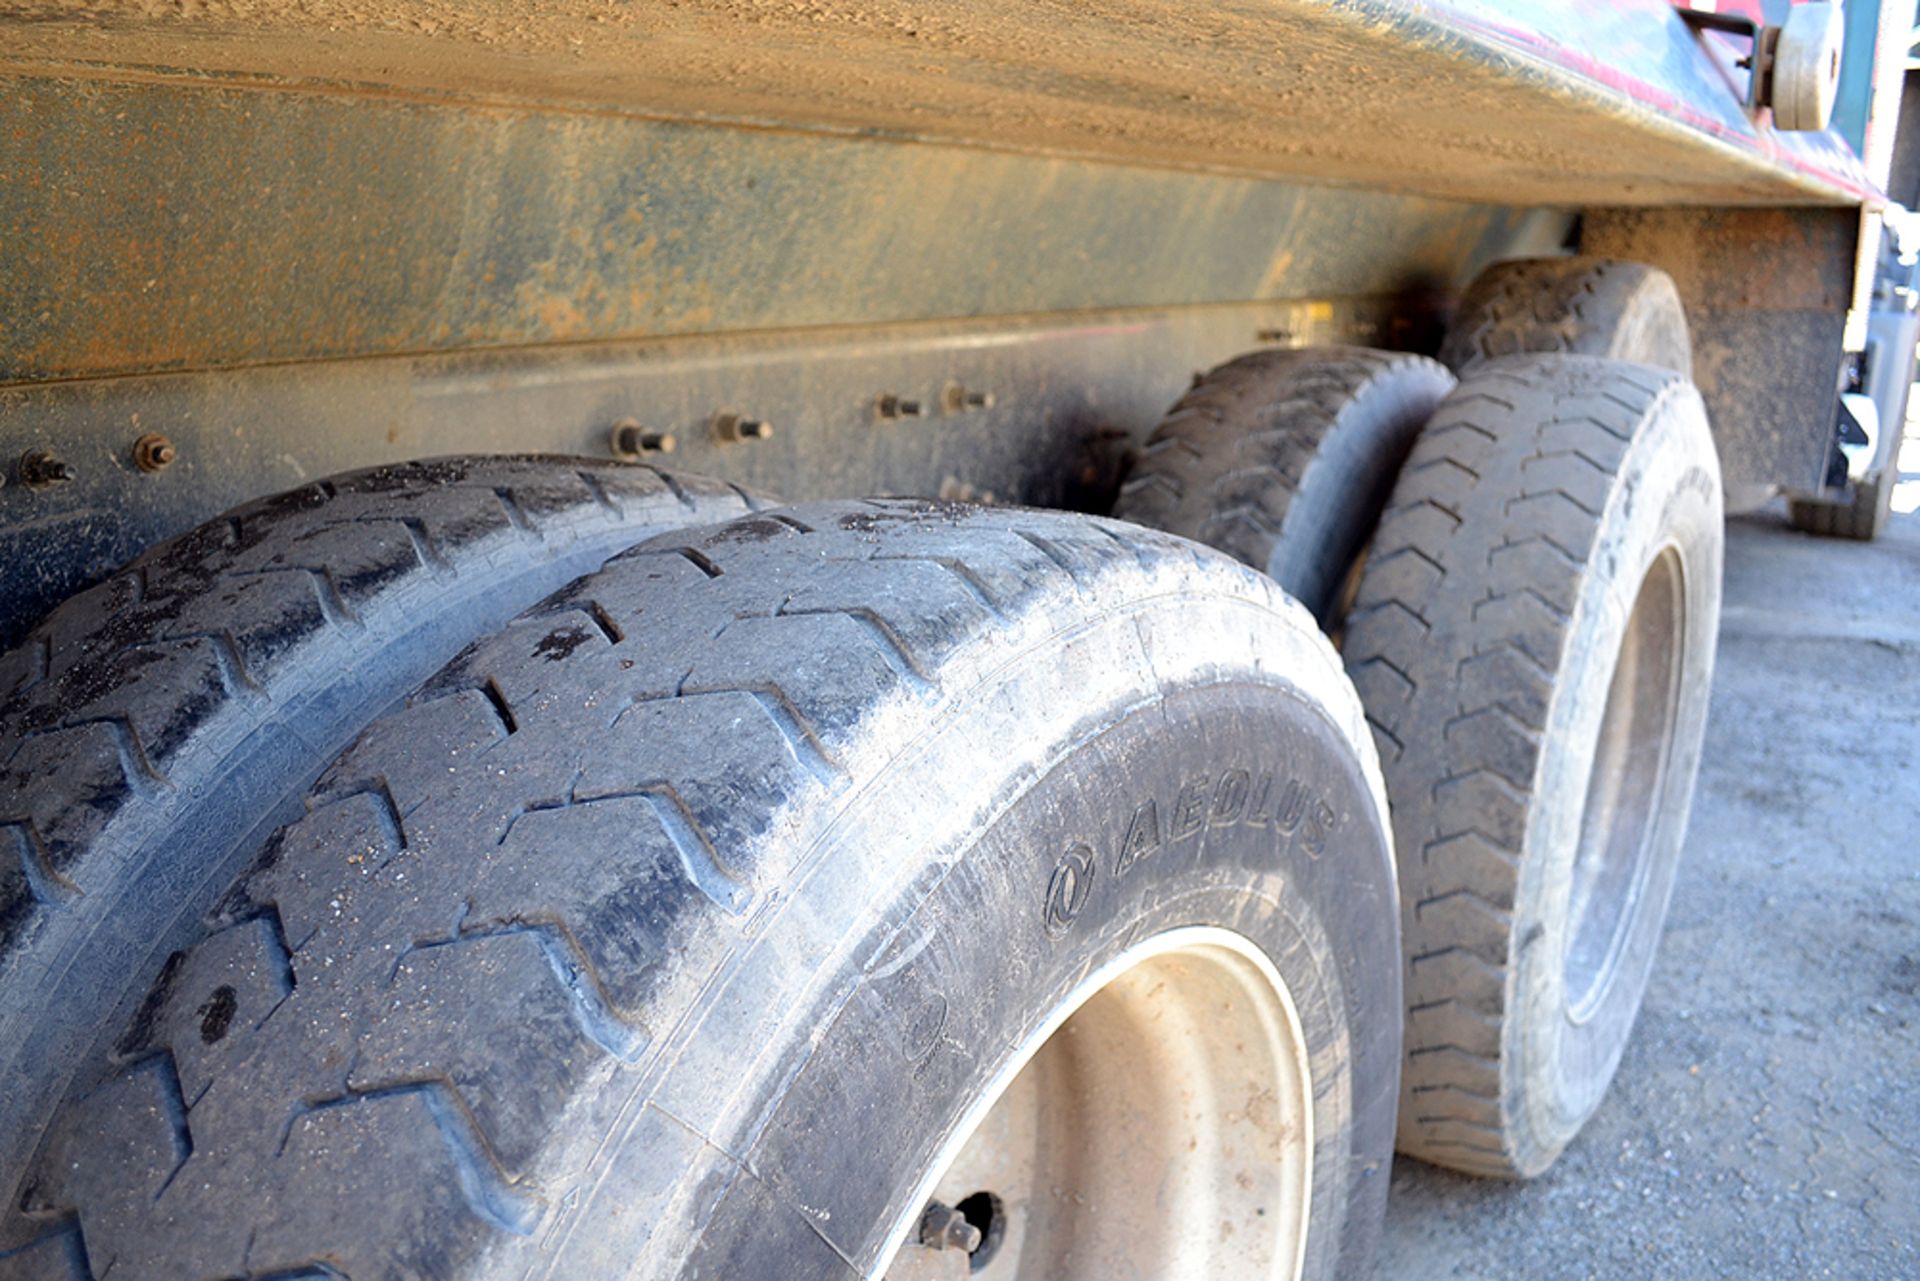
731, 427
153, 452
891, 406
945, 1228
630, 439
39, 469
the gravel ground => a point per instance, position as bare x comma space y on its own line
1766, 1120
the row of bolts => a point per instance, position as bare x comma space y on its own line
630, 438
40, 469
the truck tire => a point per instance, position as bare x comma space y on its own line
1533, 638
1283, 460
160, 724
684, 927
1580, 305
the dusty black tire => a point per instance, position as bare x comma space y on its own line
1283, 459
1580, 305
1551, 502
150, 724
668, 932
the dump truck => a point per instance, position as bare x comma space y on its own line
839, 638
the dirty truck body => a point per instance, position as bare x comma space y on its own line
400, 877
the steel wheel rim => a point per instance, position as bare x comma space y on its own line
1620, 821
1159, 1122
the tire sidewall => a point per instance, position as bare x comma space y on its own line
1666, 498
992, 937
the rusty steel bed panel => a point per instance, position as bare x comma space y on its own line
1506, 101
150, 227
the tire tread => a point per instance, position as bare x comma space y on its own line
72, 672
1462, 721
1575, 305
791, 673
1230, 460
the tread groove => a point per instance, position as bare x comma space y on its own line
173, 1106
1046, 547
487, 1190
70, 1238
392, 821
698, 559
41, 647
604, 621
1399, 748
516, 514
593, 1010
141, 774
333, 606
498, 701
754, 502
971, 580
789, 720
1141, 556
235, 678
601, 495
702, 863
893, 648
44, 881
674, 487
425, 548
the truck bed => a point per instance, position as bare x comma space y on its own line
1497, 101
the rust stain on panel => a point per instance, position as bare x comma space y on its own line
154, 227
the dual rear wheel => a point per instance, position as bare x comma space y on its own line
897, 889
1530, 622
773, 882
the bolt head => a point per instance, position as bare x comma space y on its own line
956, 398
39, 469
945, 1228
153, 452
729, 427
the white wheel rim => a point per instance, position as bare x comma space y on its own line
1158, 1123
1620, 822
